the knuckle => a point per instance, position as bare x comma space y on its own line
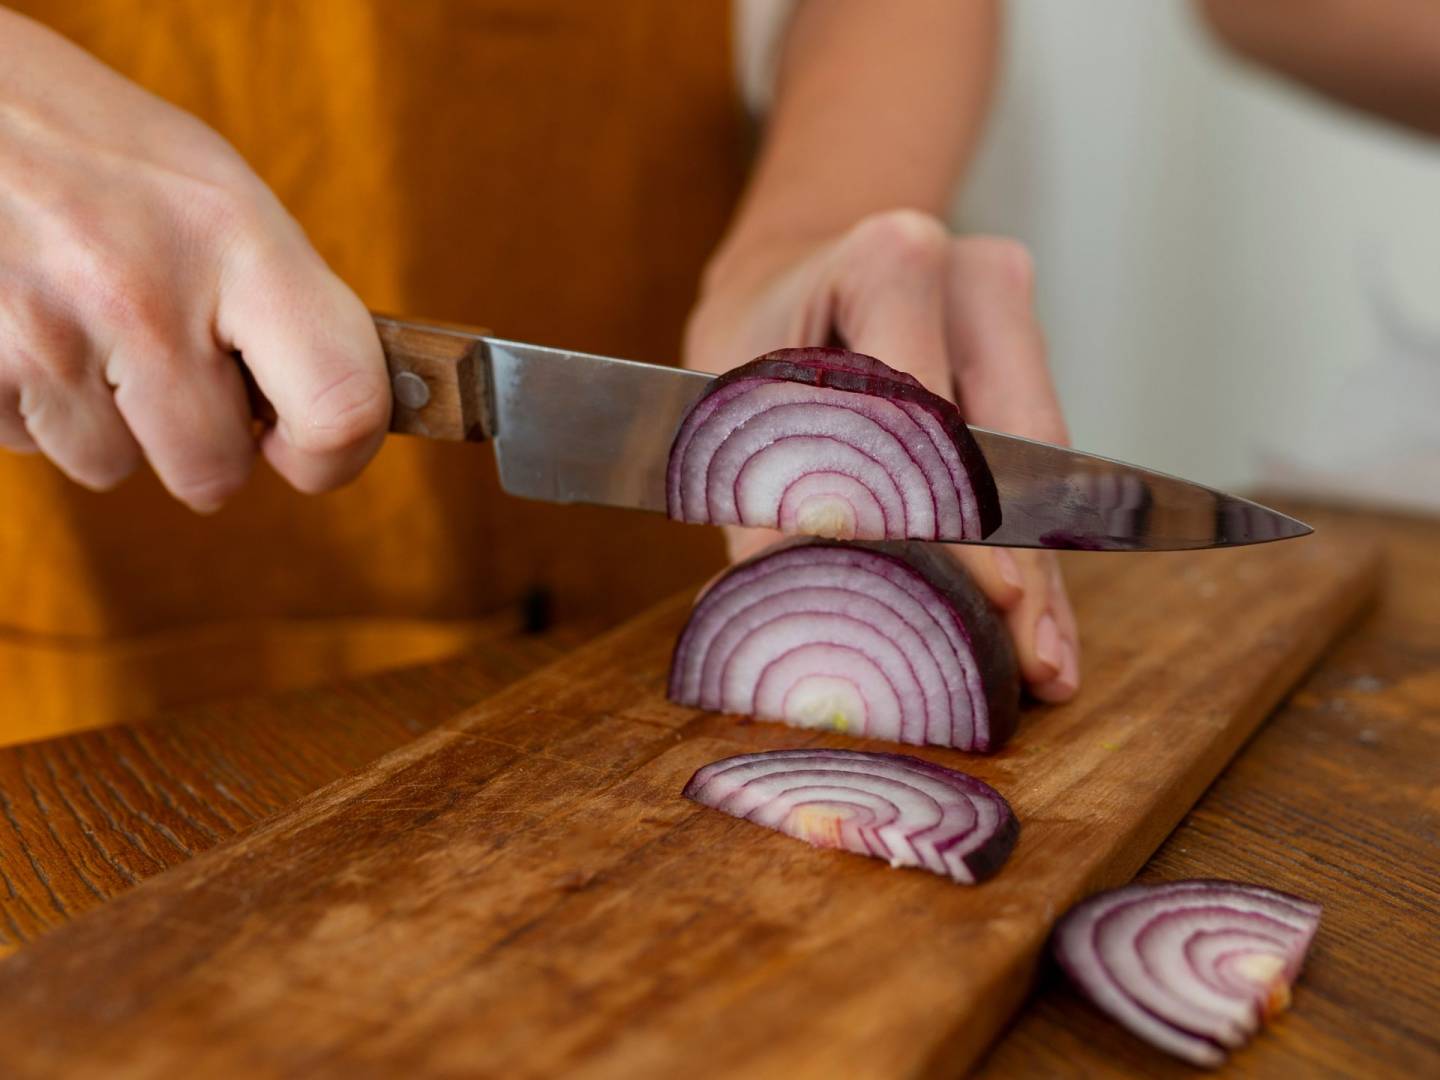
345, 415
1002, 256
141, 370
36, 364
114, 296
41, 347
23, 314
225, 215
131, 308
216, 208
904, 237
121, 290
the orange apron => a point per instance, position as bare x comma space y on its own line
556, 170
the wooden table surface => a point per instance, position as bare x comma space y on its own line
1338, 798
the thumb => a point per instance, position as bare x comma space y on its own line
314, 353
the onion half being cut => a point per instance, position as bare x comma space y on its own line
1192, 967
885, 641
888, 806
831, 443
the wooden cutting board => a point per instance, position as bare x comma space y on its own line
524, 893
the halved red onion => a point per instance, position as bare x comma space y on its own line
830, 443
1192, 967
888, 806
886, 641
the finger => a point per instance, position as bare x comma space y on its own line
1043, 630
29, 332
995, 570
1001, 371
741, 542
187, 408
13, 436
1003, 380
72, 419
889, 289
314, 352
1066, 682
1026, 588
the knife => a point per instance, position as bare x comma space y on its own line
571, 427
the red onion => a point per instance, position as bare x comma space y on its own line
888, 806
886, 641
830, 443
1192, 967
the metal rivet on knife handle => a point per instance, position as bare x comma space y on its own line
410, 390
437, 375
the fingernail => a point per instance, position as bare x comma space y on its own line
1069, 677
1007, 567
1049, 649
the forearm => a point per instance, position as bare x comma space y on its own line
878, 106
1379, 55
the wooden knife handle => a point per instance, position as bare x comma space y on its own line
437, 379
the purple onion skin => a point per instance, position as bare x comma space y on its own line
988, 637
837, 362
840, 369
986, 862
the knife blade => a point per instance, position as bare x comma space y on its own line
571, 427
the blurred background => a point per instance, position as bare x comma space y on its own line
1240, 281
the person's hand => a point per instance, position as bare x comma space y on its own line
956, 313
137, 253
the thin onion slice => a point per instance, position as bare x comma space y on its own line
830, 443
1192, 967
886, 641
894, 807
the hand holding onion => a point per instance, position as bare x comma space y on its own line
956, 313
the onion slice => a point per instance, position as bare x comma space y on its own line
1192, 967
886, 641
830, 443
888, 806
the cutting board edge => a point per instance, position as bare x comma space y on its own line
949, 1060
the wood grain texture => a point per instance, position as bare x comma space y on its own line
436, 379
1337, 799
57, 685
87, 817
523, 893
